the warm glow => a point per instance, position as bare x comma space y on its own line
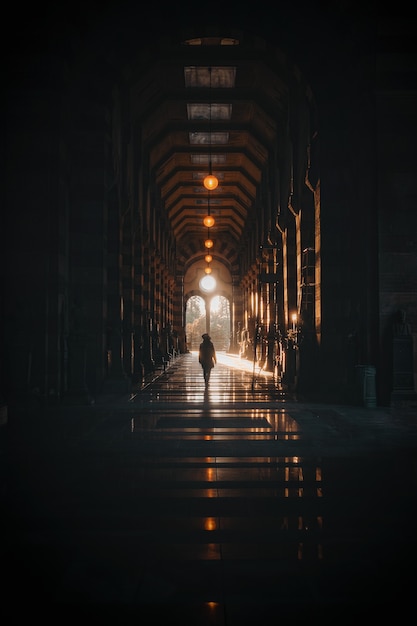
208, 283
210, 182
208, 258
208, 243
208, 221
294, 321
210, 523
208, 270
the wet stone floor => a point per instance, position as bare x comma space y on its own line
227, 505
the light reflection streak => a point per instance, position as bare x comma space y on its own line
291, 477
210, 523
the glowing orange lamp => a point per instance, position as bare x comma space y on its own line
211, 182
208, 221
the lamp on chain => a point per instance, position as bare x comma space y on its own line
210, 181
209, 219
208, 242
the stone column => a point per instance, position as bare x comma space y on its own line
403, 392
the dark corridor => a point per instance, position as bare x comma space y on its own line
228, 506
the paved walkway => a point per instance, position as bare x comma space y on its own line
228, 506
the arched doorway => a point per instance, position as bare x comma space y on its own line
218, 324
195, 321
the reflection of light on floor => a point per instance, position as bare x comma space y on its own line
242, 364
210, 523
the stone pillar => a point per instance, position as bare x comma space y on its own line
403, 392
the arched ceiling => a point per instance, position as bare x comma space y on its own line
196, 92
218, 100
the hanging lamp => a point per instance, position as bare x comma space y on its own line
209, 219
208, 242
210, 181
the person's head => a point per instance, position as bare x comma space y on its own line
206, 337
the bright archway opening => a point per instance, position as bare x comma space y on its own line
196, 323
220, 323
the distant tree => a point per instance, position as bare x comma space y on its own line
195, 308
220, 322
195, 321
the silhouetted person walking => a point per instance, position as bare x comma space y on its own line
207, 356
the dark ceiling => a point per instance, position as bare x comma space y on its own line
198, 93
211, 100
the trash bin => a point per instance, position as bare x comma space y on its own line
366, 375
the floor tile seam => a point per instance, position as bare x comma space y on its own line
253, 503
219, 507
316, 451
342, 453
167, 439
249, 432
204, 414
185, 432
219, 437
206, 494
155, 523
181, 434
173, 493
165, 535
358, 414
281, 519
226, 494
196, 406
165, 452
332, 548
190, 463
161, 489
200, 434
162, 438
221, 449
152, 458
147, 470
300, 444
226, 483
168, 425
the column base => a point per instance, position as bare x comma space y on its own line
405, 398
